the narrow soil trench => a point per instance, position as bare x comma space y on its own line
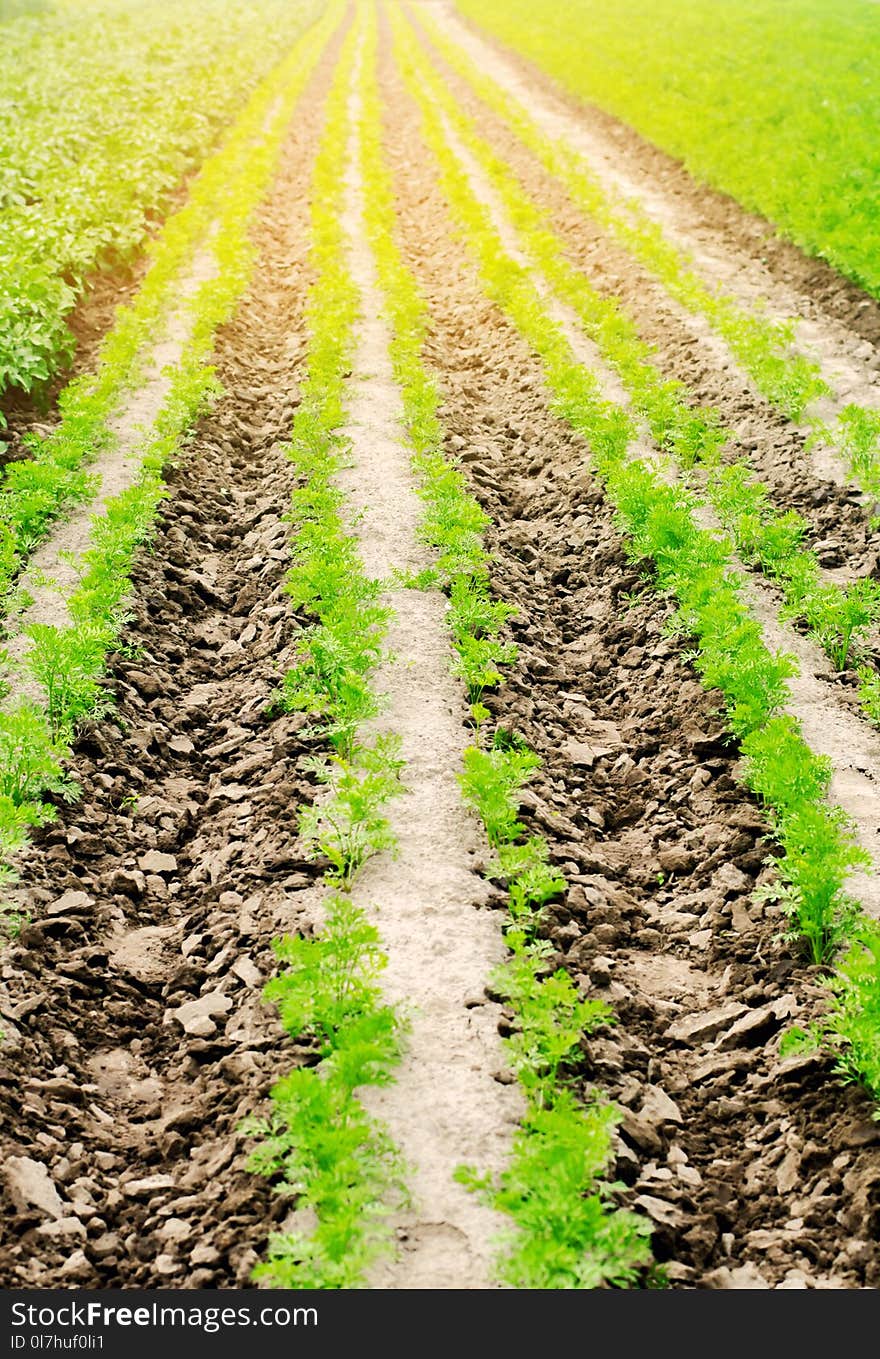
755, 1172
135, 1037
446, 1106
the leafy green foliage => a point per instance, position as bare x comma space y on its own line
319, 1142
30, 761
857, 435
108, 107
552, 1016
337, 654
452, 522
853, 1024
850, 1028
330, 980
38, 489
349, 827
869, 692
569, 1234
717, 87
839, 617
524, 870
490, 782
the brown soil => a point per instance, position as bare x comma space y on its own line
135, 1039
750, 1167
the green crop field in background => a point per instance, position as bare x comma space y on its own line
777, 102
105, 106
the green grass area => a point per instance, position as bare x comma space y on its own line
776, 102
105, 107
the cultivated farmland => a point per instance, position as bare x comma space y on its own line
440, 730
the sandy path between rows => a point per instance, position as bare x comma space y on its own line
446, 1107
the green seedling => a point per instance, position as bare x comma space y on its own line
30, 760
490, 782
319, 1142
849, 1031
350, 826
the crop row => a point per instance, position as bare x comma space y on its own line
318, 1141
733, 93
764, 348
68, 662
104, 110
693, 567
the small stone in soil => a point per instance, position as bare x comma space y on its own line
31, 1186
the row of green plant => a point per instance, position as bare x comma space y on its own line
452, 522
567, 1233
692, 566
764, 347
68, 662
105, 108
35, 491
838, 617
319, 1141
332, 1158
